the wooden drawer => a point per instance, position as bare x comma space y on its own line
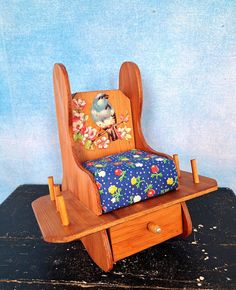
133, 236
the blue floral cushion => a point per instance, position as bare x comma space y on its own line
131, 176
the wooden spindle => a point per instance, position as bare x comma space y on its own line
57, 191
51, 188
176, 160
194, 171
63, 211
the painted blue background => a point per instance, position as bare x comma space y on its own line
186, 51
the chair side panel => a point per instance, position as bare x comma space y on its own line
75, 178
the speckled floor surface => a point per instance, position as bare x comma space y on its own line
206, 260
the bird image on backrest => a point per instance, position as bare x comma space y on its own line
104, 115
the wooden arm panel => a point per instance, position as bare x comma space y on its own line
84, 223
130, 83
75, 178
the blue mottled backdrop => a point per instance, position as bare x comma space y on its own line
186, 51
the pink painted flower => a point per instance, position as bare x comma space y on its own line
75, 119
124, 118
90, 164
79, 104
90, 133
78, 121
80, 115
124, 133
77, 126
102, 143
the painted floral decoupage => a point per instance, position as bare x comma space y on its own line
102, 126
129, 177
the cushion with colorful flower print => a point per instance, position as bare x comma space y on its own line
125, 178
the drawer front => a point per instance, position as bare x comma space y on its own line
136, 235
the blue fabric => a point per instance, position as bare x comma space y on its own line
132, 176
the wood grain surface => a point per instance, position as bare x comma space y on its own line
83, 222
130, 83
133, 236
75, 178
187, 221
99, 249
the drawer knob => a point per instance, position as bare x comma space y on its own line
154, 228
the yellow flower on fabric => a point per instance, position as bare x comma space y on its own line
112, 189
170, 181
99, 165
124, 159
133, 180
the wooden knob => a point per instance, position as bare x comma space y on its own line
154, 228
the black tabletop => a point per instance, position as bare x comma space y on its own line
205, 260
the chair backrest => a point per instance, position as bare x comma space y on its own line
101, 124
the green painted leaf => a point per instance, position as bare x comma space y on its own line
76, 137
88, 144
80, 136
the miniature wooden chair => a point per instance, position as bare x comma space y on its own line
103, 148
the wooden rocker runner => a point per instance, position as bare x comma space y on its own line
118, 195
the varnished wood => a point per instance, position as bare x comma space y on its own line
187, 221
62, 210
176, 160
84, 222
57, 191
121, 104
194, 171
133, 236
75, 178
130, 83
99, 249
51, 188
154, 228
130, 229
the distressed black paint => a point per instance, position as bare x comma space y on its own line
27, 262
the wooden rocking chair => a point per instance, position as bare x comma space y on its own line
74, 210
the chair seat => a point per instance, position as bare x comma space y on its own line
125, 178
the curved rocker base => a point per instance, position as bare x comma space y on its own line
98, 248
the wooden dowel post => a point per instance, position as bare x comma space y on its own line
63, 211
51, 188
57, 191
176, 160
194, 171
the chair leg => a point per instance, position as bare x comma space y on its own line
187, 222
99, 249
